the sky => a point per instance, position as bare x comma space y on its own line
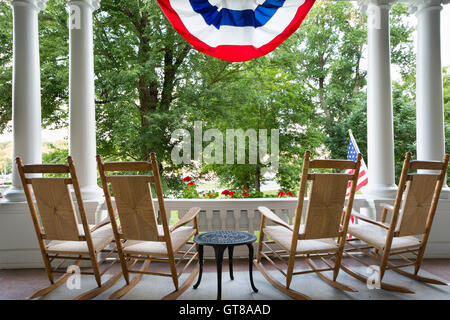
53, 135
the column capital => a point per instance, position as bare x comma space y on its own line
418, 6
37, 5
92, 4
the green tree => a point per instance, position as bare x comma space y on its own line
144, 72
140, 64
333, 38
328, 66
55, 155
404, 126
5, 64
149, 82
263, 96
53, 39
446, 83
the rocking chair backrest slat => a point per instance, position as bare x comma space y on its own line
56, 208
429, 165
126, 166
335, 164
46, 168
135, 207
325, 206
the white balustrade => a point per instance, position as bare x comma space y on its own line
229, 214
20, 250
235, 214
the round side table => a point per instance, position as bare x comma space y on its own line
220, 240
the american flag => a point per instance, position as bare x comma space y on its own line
352, 153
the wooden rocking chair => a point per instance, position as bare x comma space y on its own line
137, 233
409, 228
60, 235
327, 219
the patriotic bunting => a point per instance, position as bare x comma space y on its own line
236, 30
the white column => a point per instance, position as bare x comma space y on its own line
380, 128
429, 91
82, 135
26, 84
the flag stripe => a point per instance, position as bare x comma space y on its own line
362, 177
233, 43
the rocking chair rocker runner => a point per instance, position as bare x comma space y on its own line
408, 229
58, 232
327, 218
137, 233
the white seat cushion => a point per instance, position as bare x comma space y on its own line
100, 239
376, 236
158, 248
283, 238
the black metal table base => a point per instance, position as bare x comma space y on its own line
219, 251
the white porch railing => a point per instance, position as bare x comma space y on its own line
19, 248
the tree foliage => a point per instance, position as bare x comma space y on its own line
150, 82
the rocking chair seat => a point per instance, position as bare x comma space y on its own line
283, 237
100, 239
158, 248
376, 236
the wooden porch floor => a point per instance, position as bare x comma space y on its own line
21, 283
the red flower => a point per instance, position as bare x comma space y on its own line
245, 194
226, 192
281, 193
245, 189
191, 183
289, 194
187, 179
204, 195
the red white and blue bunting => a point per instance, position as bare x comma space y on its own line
236, 30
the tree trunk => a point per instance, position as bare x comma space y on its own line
258, 178
357, 75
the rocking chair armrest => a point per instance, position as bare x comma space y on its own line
387, 207
366, 219
273, 217
188, 217
102, 223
